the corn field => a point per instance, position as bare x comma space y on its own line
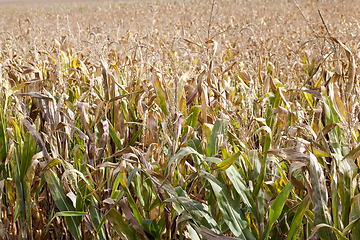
226, 119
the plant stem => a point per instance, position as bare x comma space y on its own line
257, 208
210, 20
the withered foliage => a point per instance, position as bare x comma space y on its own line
180, 120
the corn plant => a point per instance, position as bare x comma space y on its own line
179, 120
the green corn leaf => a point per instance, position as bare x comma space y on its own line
192, 233
233, 216
211, 235
66, 214
276, 208
179, 155
336, 231
160, 92
3, 138
28, 152
261, 177
114, 136
192, 117
97, 220
196, 145
197, 211
354, 217
335, 203
38, 139
351, 225
18, 172
223, 165
297, 220
242, 189
347, 173
136, 136
219, 131
63, 203
120, 226
151, 228
133, 206
320, 194
115, 192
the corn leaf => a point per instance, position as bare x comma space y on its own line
276, 208
63, 203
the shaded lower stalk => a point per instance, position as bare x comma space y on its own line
24, 209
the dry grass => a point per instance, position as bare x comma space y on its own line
150, 121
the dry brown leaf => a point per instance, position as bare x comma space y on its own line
38, 95
293, 167
130, 216
103, 140
211, 235
283, 113
290, 154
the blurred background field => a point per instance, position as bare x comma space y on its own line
56, 2
179, 120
